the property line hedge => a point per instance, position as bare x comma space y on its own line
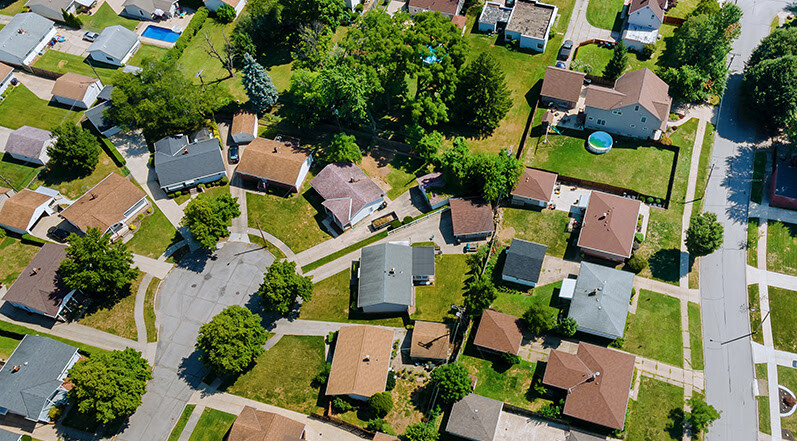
193, 27
113, 152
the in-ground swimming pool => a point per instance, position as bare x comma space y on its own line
599, 142
160, 33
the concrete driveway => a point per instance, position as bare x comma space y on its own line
74, 44
41, 87
192, 293
4, 132
512, 427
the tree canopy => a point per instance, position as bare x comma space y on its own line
344, 148
95, 265
483, 97
258, 84
75, 150
617, 63
281, 286
208, 218
702, 414
381, 403
540, 318
429, 146
704, 235
109, 386
489, 175
480, 294
231, 341
452, 382
769, 89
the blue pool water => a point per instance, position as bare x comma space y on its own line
160, 33
599, 142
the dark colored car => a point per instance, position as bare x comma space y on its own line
561, 65
233, 151
564, 52
58, 234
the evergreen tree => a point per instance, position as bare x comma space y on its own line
704, 235
483, 96
617, 64
259, 87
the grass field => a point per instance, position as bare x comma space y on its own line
154, 235
213, 425
703, 165
195, 58
22, 108
118, 318
655, 330
74, 187
752, 241
403, 171
517, 304
149, 310
270, 247
754, 304
759, 170
788, 377
433, 303
508, 385
16, 173
7, 346
180, 425
147, 51
546, 227
598, 57
15, 256
763, 402
282, 376
103, 17
62, 62
783, 307
650, 417
603, 14
683, 8
12, 7
782, 247
695, 336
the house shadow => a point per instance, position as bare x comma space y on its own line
19, 315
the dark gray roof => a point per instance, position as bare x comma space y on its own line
524, 260
5, 435
97, 118
422, 261
27, 141
34, 28
105, 93
600, 299
577, 435
115, 41
475, 417
177, 161
42, 362
385, 275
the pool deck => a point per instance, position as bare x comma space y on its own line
181, 22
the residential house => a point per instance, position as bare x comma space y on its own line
54, 9
97, 117
637, 106
494, 17
446, 8
105, 93
597, 381
108, 206
20, 212
360, 362
600, 300
351, 5
181, 162
534, 188
609, 226
149, 9
258, 425
32, 379
472, 219
115, 45
6, 76
431, 341
237, 5
244, 127
29, 144
499, 332
349, 194
71, 89
24, 37
530, 24
783, 184
645, 17
432, 187
423, 265
523, 262
280, 164
561, 87
5, 435
39, 288
475, 418
387, 275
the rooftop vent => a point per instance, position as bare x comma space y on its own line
35, 271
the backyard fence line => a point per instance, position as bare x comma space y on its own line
357, 430
39, 72
420, 219
532, 414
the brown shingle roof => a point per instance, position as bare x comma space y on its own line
17, 210
441, 6
609, 224
384, 437
641, 87
562, 84
656, 5
499, 332
105, 204
5, 70
258, 425
346, 190
272, 160
471, 216
243, 121
73, 86
361, 361
41, 290
535, 184
598, 380
430, 340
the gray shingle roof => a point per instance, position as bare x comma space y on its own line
600, 300
41, 362
9, 436
385, 275
177, 161
34, 28
524, 260
577, 435
97, 118
422, 261
105, 93
27, 141
150, 5
115, 41
475, 417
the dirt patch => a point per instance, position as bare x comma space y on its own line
408, 398
374, 164
506, 234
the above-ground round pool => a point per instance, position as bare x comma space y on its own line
599, 142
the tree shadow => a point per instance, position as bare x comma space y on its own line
665, 265
675, 423
196, 260
737, 182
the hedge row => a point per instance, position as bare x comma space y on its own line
113, 152
193, 27
27, 238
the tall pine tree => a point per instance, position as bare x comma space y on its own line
617, 64
259, 87
483, 96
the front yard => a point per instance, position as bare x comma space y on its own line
154, 234
657, 413
22, 108
433, 303
788, 377
516, 303
213, 425
783, 307
655, 330
15, 255
604, 14
695, 336
546, 227
116, 318
62, 62
782, 247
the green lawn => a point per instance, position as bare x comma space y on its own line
15, 173
783, 307
597, 57
403, 171
763, 402
433, 303
632, 164
15, 256
511, 385
516, 304
754, 305
649, 417
74, 187
22, 108
180, 425
62, 62
271, 248
782, 247
759, 170
149, 310
195, 58
147, 51
104, 17
154, 235
788, 377
282, 376
12, 7
213, 425
344, 251
7, 346
547, 227
330, 302
703, 166
603, 13
8, 329
116, 318
752, 242
695, 336
683, 8
655, 330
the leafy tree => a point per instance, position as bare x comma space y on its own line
344, 148
704, 234
770, 91
540, 318
315, 40
483, 97
381, 403
109, 386
496, 175
637, 263
321, 378
225, 14
71, 20
379, 425
480, 295
617, 63
702, 414
782, 41
326, 12
421, 432
567, 326
208, 218
96, 265
75, 150
243, 44
457, 161
259, 87
708, 7
340, 405
336, 91
429, 146
509, 359
687, 82
231, 341
452, 382
281, 285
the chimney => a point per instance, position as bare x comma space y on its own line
367, 358
15, 368
35, 271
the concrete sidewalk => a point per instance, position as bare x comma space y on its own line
151, 266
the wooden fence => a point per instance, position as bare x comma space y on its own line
44, 73
531, 414
675, 21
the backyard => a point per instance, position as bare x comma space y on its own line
657, 413
518, 303
495, 381
546, 227
695, 336
195, 59
409, 398
103, 17
213, 425
782, 247
784, 315
597, 57
22, 108
15, 256
433, 303
603, 14
396, 171
116, 318
788, 377
662, 313
12, 7
17, 174
73, 187
62, 62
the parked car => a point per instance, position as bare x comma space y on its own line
90, 36
561, 65
564, 52
58, 234
233, 152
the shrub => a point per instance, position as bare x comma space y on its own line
395, 224
509, 359
658, 200
321, 378
452, 381
665, 140
540, 318
225, 14
391, 380
2, 233
649, 199
339, 405
406, 220
26, 438
567, 326
55, 413
379, 425
331, 337
550, 410
149, 210
637, 263
224, 180
132, 227
617, 343
639, 237
381, 403
647, 51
